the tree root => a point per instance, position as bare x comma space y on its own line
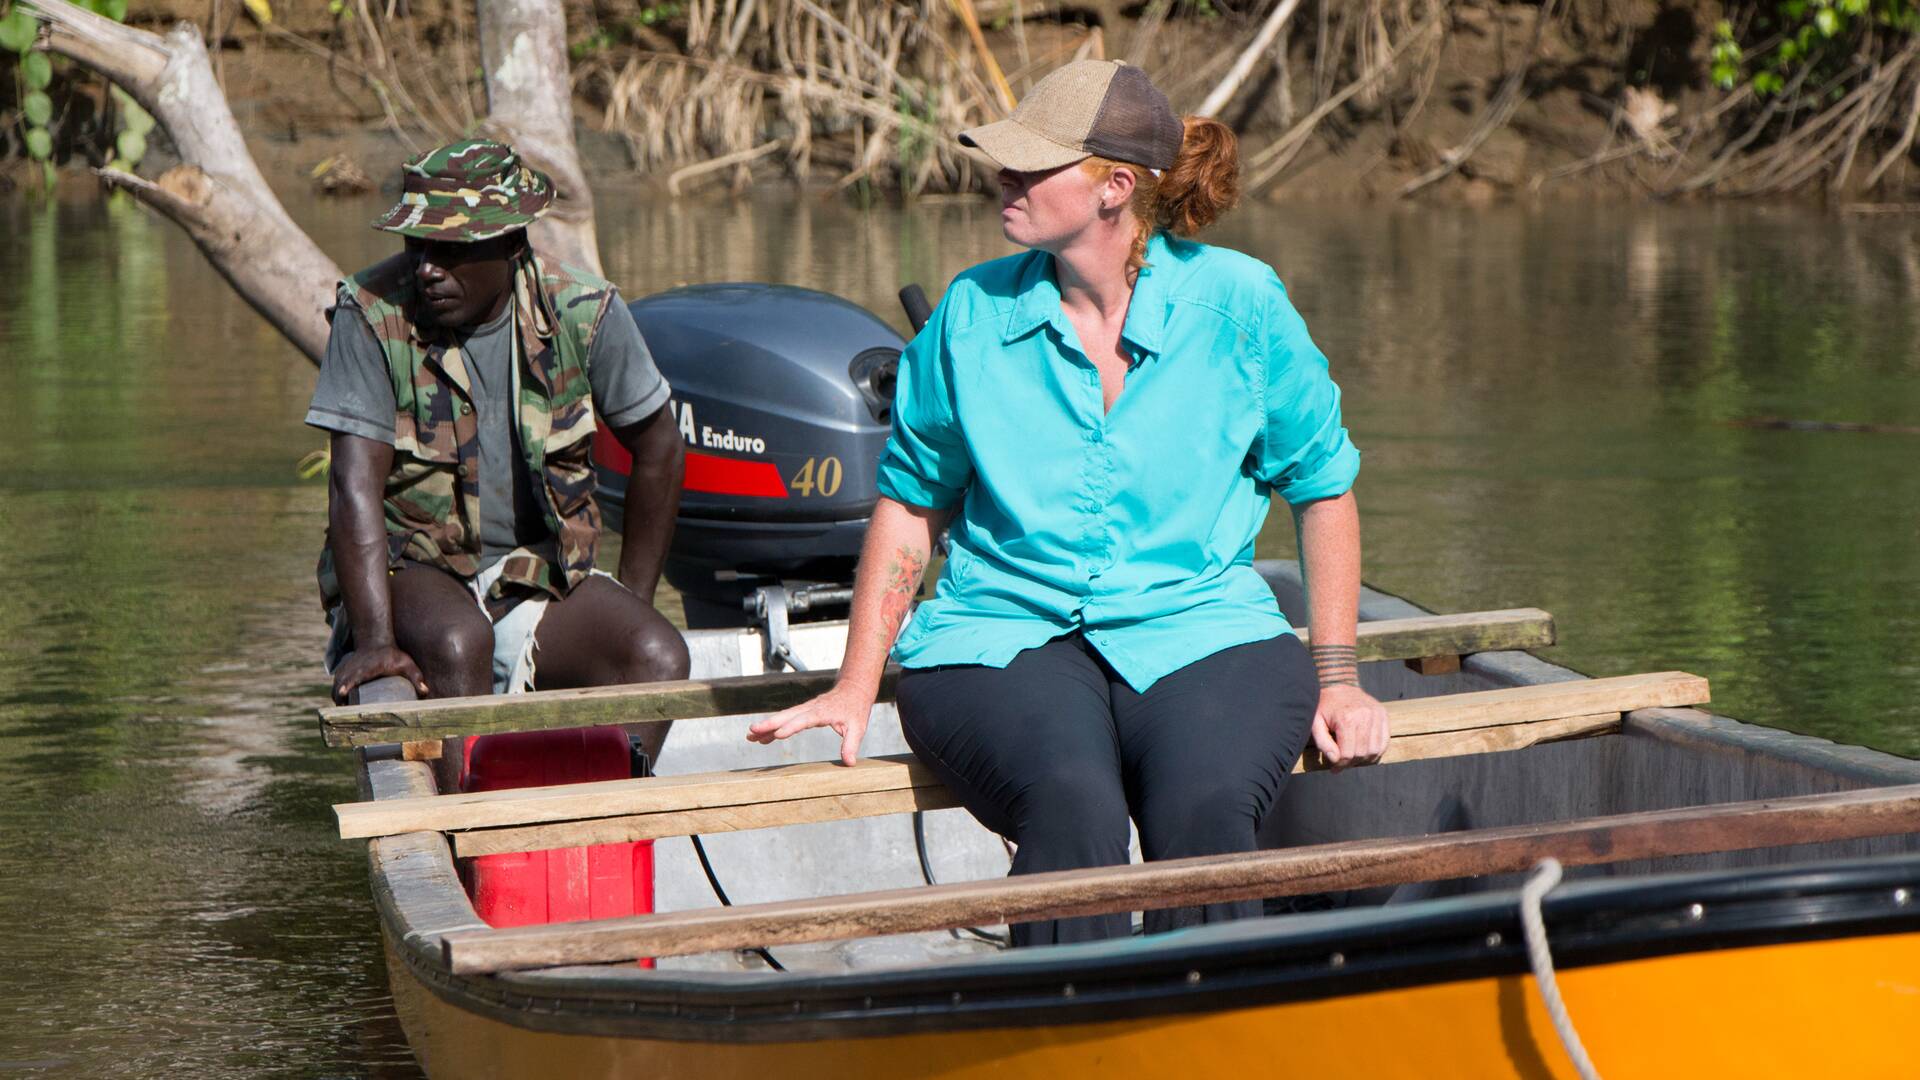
1511, 93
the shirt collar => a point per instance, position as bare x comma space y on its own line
1147, 311
1038, 302
1039, 298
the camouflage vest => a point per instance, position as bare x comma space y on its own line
433, 491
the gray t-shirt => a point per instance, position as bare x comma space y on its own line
355, 396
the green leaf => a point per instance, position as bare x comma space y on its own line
1828, 21
134, 118
39, 143
47, 175
114, 9
17, 30
37, 107
130, 146
38, 70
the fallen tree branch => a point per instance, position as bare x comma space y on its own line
1900, 147
739, 157
1626, 150
1499, 111
1712, 173
218, 194
1249, 57
1268, 163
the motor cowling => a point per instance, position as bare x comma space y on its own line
783, 397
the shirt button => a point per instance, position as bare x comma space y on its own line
465, 408
462, 471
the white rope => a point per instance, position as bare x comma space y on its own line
1546, 874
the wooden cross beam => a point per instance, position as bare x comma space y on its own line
923, 791
1419, 638
1847, 815
1423, 727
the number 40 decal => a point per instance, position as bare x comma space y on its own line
821, 473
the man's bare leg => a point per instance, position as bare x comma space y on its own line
436, 622
603, 635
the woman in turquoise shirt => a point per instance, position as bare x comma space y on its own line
1103, 419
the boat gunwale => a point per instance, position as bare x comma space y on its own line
1240, 965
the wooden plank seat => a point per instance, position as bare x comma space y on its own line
1431, 639
1847, 815
524, 819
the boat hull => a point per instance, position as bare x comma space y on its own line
1842, 1007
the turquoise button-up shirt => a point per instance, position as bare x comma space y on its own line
1134, 526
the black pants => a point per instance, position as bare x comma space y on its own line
1055, 751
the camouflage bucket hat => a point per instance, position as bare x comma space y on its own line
467, 191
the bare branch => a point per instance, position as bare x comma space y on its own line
1250, 56
218, 196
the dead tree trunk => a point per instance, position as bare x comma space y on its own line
219, 197
217, 193
523, 49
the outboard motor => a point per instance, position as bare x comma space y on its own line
784, 398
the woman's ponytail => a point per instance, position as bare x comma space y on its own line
1202, 184
1204, 181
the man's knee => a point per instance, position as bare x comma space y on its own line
654, 654
462, 651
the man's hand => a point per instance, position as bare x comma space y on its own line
842, 710
366, 665
1349, 726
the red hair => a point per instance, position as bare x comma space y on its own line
1203, 184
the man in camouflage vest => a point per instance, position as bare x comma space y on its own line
461, 386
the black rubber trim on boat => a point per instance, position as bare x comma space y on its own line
1235, 965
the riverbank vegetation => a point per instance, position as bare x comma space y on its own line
1455, 99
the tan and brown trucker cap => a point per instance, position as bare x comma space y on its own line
1088, 107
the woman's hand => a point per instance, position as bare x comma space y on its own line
1349, 726
845, 711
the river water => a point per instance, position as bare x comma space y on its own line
1550, 404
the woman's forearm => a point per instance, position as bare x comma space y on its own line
1330, 566
892, 561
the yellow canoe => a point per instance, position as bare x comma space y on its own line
1791, 962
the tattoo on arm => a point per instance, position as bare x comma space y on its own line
904, 572
1336, 665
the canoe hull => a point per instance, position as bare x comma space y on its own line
1841, 1007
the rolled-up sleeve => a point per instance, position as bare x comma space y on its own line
1304, 452
627, 386
926, 461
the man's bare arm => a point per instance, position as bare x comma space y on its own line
653, 499
357, 537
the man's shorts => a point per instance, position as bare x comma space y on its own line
513, 632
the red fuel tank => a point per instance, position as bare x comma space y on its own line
565, 884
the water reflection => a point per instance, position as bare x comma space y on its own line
1543, 398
